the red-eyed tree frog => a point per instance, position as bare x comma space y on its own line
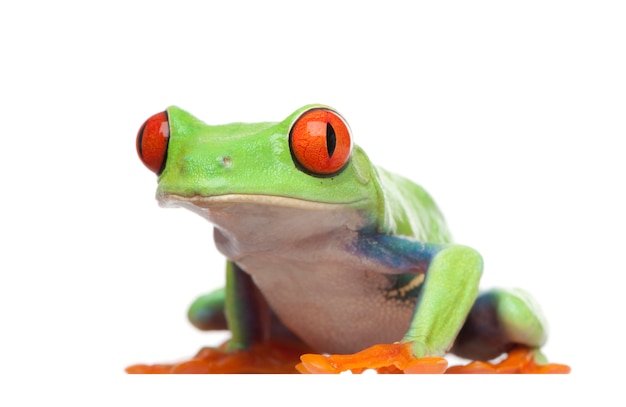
333, 263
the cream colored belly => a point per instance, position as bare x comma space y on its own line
333, 309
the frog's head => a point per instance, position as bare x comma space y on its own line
308, 161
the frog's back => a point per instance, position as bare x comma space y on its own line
409, 210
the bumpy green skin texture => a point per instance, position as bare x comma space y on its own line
393, 205
451, 289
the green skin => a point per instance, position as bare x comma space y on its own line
341, 262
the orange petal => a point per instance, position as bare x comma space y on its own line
550, 368
519, 360
148, 369
318, 364
476, 367
191, 367
427, 366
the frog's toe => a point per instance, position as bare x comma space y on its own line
519, 360
431, 365
384, 358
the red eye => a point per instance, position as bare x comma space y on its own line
320, 142
152, 140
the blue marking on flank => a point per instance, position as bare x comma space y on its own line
396, 252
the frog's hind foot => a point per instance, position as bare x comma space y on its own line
384, 358
519, 360
272, 357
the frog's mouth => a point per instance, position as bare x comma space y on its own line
256, 217
209, 202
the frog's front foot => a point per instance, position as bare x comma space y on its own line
518, 360
271, 357
384, 358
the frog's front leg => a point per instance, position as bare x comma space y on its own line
444, 301
259, 342
451, 287
207, 312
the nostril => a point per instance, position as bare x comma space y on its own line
226, 162
152, 141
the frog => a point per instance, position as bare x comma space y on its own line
333, 264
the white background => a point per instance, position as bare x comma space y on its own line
511, 116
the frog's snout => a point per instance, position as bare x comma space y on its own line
152, 140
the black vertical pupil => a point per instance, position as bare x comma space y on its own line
331, 139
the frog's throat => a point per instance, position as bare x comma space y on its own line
290, 218
174, 200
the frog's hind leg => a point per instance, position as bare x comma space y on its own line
504, 321
498, 321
